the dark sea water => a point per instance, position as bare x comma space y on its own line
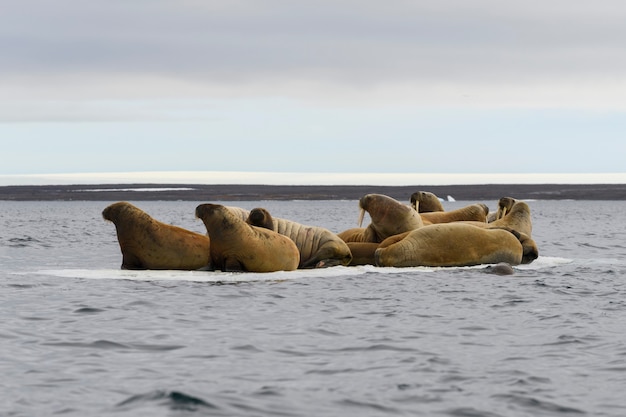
80, 337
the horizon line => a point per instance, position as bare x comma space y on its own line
308, 178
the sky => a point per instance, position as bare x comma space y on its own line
296, 88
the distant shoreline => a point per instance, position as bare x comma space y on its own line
248, 192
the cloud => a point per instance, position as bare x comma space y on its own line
309, 178
452, 52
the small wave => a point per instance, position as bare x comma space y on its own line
98, 344
88, 310
25, 242
107, 344
538, 406
375, 347
469, 412
174, 400
366, 406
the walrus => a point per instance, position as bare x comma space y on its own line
260, 217
517, 218
504, 206
238, 246
354, 234
452, 244
318, 247
425, 202
529, 246
147, 243
515, 215
501, 268
475, 212
388, 217
363, 252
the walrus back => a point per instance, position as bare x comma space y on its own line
314, 243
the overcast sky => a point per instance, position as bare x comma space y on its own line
313, 86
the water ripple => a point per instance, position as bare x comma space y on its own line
365, 406
470, 412
107, 344
26, 242
173, 400
375, 347
88, 310
536, 405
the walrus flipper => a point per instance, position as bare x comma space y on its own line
232, 264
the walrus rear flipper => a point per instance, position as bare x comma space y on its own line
132, 262
530, 252
232, 265
321, 263
326, 257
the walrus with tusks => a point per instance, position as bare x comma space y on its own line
388, 217
319, 247
516, 216
505, 204
239, 246
425, 202
147, 243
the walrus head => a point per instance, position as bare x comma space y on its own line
501, 268
485, 208
260, 217
377, 205
388, 217
425, 202
113, 212
206, 210
504, 206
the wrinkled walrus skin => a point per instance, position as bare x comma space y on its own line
147, 243
452, 244
318, 246
239, 246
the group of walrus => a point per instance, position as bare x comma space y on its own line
421, 233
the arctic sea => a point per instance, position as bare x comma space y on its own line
80, 337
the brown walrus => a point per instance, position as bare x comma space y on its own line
452, 244
529, 246
388, 217
475, 212
239, 246
363, 252
504, 206
425, 202
515, 215
150, 244
318, 246
354, 234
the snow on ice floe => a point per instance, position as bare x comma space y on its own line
232, 277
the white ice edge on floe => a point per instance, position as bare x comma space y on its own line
218, 276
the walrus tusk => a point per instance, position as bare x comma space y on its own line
361, 216
503, 213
